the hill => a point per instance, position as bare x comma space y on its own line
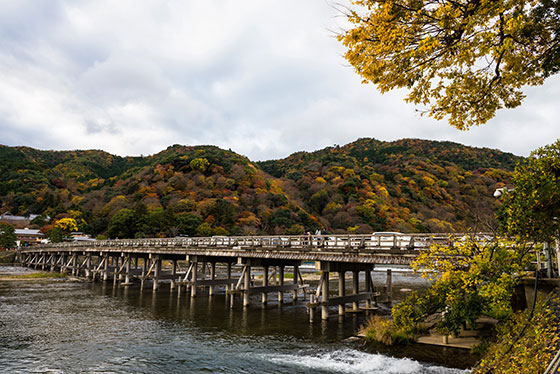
408, 185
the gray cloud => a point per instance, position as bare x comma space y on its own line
263, 78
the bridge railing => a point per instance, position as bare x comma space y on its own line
364, 242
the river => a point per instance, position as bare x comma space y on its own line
80, 327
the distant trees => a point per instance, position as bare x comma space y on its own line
199, 164
7, 236
409, 185
123, 224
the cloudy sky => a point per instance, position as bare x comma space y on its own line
264, 78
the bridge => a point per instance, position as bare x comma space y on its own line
191, 263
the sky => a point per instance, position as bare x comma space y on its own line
262, 78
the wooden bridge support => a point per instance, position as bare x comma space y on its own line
245, 285
323, 298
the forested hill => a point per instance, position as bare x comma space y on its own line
369, 185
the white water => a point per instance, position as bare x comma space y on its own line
356, 362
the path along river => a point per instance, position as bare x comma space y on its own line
79, 327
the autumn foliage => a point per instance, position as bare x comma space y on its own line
408, 185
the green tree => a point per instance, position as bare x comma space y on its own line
532, 209
463, 59
188, 223
122, 224
205, 229
470, 278
7, 236
55, 235
223, 212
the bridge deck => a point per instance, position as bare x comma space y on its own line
381, 248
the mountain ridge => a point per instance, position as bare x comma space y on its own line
406, 185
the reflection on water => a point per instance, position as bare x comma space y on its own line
60, 327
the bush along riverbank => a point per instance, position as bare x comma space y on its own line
527, 342
475, 285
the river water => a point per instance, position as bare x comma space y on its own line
79, 327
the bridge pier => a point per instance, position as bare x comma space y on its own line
212, 277
265, 284
247, 285
281, 283
325, 295
323, 299
355, 288
145, 264
173, 274
341, 291
157, 271
295, 291
194, 279
127, 271
105, 267
389, 286
88, 265
75, 270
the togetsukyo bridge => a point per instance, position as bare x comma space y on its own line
188, 264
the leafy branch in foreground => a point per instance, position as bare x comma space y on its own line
532, 209
463, 59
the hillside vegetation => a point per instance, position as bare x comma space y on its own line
368, 185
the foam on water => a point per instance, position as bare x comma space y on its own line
355, 362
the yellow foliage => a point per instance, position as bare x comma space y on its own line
66, 225
461, 61
76, 200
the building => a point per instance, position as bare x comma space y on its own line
26, 237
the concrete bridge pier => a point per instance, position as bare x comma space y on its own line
281, 283
369, 288
341, 291
212, 278
88, 264
355, 288
157, 272
194, 279
105, 267
127, 279
246, 284
115, 263
325, 296
389, 287
295, 290
265, 285
228, 276
173, 274
75, 270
